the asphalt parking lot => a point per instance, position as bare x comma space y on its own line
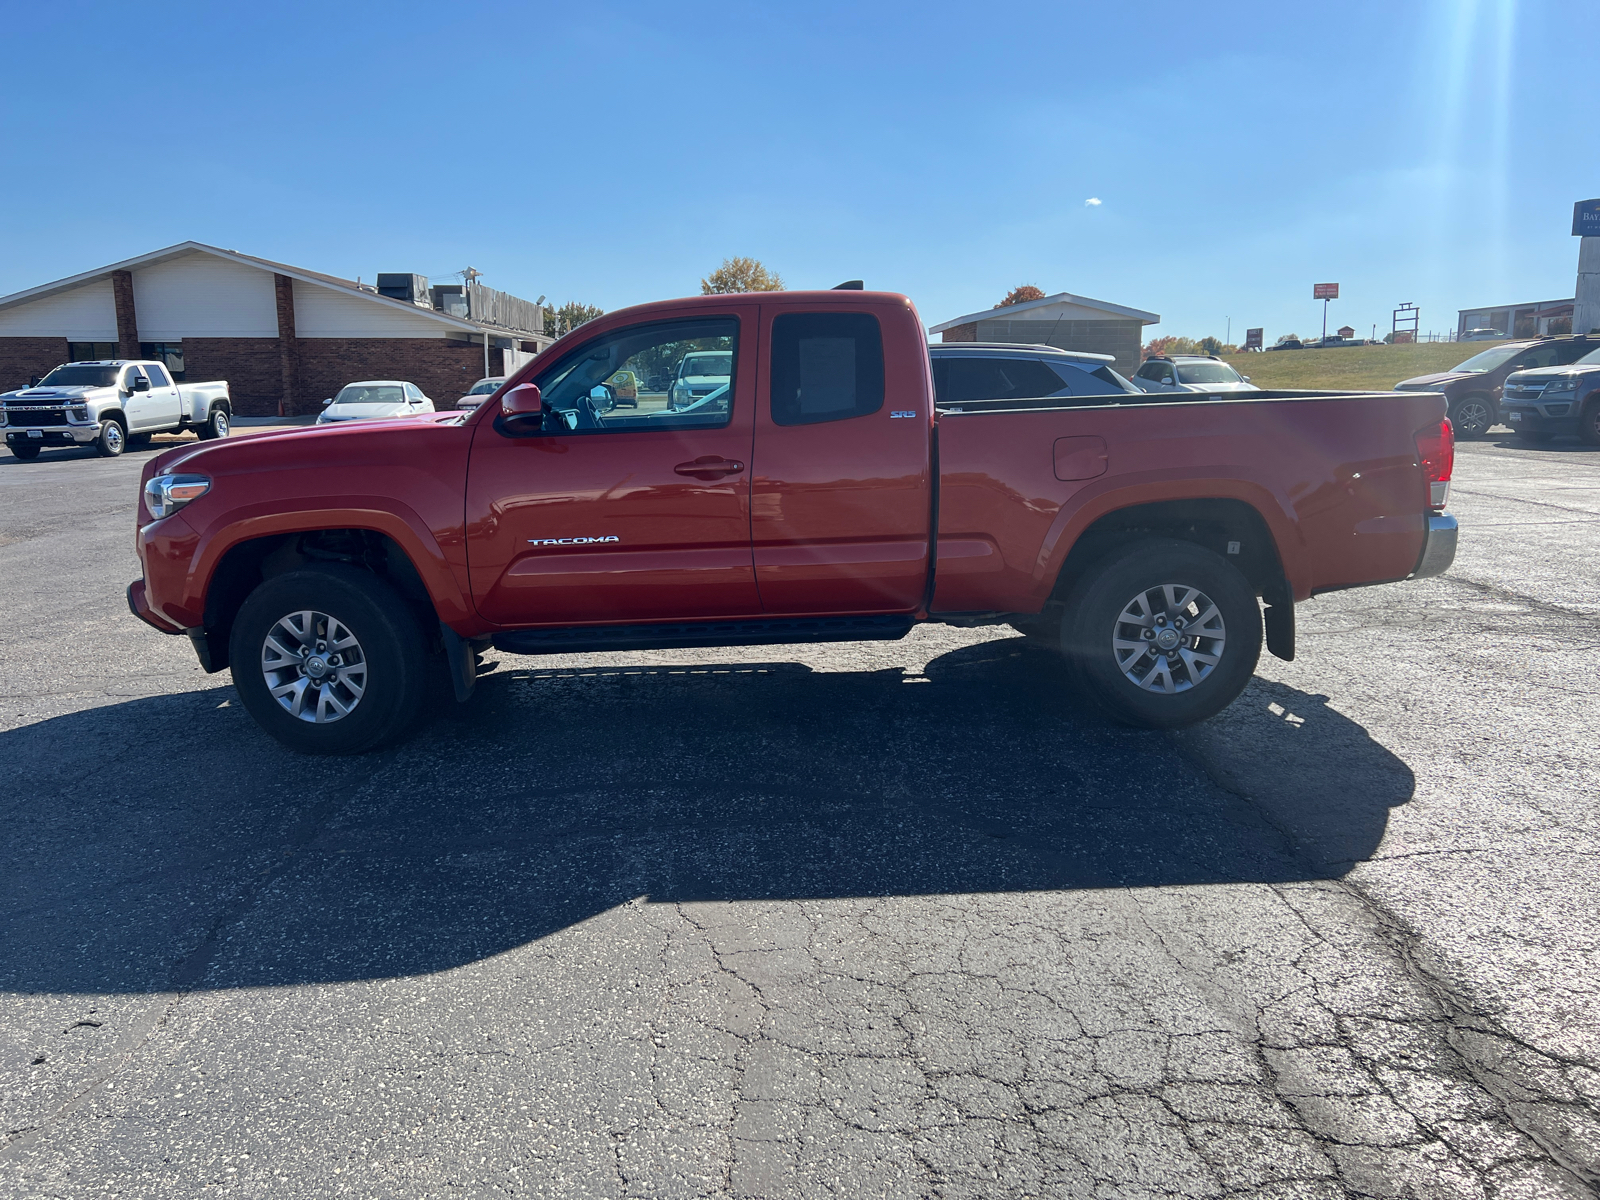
844, 921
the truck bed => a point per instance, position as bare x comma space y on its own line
1021, 480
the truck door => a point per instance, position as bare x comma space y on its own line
620, 515
162, 405
841, 494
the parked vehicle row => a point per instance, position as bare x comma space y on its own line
108, 404
1473, 387
836, 481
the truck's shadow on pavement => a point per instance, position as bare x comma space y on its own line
166, 842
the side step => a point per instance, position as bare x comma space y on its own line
591, 639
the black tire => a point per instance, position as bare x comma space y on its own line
1473, 416
1589, 422
1111, 588
217, 425
113, 439
23, 451
391, 647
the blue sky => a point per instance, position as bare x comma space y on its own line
616, 152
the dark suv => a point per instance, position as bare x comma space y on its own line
1545, 401
965, 371
1473, 387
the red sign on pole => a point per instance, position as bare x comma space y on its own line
1325, 291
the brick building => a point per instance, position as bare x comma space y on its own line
283, 337
1063, 320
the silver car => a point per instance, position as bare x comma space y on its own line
1190, 373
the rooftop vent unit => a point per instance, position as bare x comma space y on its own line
413, 289
451, 299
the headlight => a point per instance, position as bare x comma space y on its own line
1561, 387
79, 412
166, 494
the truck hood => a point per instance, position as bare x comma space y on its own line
45, 395
282, 447
1421, 383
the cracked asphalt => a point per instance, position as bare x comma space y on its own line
839, 921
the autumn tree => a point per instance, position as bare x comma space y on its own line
1021, 295
740, 275
569, 316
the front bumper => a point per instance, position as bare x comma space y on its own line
140, 607
1558, 416
1438, 548
54, 435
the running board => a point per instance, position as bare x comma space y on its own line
591, 639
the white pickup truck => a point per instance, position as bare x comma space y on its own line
109, 404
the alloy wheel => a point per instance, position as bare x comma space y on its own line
1168, 638
314, 667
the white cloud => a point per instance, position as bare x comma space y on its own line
1092, 202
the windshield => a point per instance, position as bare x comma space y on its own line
80, 375
487, 387
705, 364
1488, 360
1211, 372
358, 393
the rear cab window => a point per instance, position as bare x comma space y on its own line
826, 367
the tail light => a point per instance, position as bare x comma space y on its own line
1436, 452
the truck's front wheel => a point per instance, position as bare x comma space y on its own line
113, 439
24, 451
329, 660
1163, 633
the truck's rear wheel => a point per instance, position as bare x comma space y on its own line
24, 451
216, 426
1589, 422
113, 439
1163, 633
329, 660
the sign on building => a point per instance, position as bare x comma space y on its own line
1325, 291
1586, 218
1252, 339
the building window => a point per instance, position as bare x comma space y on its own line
91, 351
168, 353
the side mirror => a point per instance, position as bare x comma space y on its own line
327, 402
34, 382
522, 411
1246, 378
141, 384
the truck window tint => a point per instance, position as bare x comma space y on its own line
80, 376
158, 376
998, 379
825, 367
700, 356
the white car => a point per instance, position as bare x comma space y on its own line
1191, 373
480, 392
372, 399
699, 374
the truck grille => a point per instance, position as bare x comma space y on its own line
20, 416
1524, 391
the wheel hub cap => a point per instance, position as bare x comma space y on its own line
1168, 638
314, 667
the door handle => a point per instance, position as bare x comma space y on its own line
709, 467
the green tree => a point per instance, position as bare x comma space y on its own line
740, 275
569, 316
1021, 295
1210, 345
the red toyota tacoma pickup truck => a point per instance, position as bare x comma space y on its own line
816, 492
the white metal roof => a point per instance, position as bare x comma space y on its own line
1041, 311
348, 286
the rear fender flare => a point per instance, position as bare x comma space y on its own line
1131, 491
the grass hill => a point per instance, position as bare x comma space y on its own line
1354, 368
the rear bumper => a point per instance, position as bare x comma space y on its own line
140, 607
1439, 548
